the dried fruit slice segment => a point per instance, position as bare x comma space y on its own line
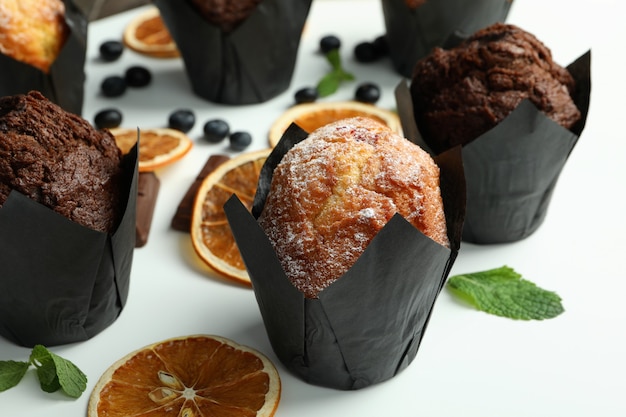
147, 34
210, 232
198, 375
310, 116
158, 147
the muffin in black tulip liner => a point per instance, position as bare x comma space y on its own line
63, 281
517, 115
63, 84
415, 27
247, 63
366, 326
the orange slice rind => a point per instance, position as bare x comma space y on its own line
211, 235
310, 116
148, 35
198, 375
158, 147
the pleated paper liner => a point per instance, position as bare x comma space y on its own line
413, 33
251, 64
511, 170
368, 325
61, 282
64, 83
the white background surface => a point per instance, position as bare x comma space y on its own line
470, 363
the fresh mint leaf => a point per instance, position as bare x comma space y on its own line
503, 292
73, 381
329, 84
11, 373
46, 371
56, 373
345, 76
334, 59
53, 371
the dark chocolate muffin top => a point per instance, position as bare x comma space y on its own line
461, 93
226, 14
59, 160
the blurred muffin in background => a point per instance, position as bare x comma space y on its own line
43, 44
224, 13
33, 31
237, 53
415, 27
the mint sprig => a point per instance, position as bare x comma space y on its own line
329, 84
503, 292
53, 372
11, 373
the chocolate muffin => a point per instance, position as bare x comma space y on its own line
461, 93
59, 160
225, 14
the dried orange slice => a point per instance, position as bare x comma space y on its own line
147, 34
191, 376
158, 147
310, 116
211, 235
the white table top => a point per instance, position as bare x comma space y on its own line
470, 363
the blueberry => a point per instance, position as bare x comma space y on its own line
216, 130
113, 86
108, 118
111, 50
240, 140
365, 52
367, 93
306, 95
328, 43
381, 45
138, 76
182, 120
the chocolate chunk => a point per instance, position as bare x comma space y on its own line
147, 192
182, 219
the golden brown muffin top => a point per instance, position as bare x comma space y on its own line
333, 192
33, 31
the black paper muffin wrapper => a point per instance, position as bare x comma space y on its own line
64, 83
252, 64
368, 325
511, 170
412, 34
61, 282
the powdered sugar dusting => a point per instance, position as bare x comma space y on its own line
335, 190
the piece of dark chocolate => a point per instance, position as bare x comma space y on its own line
147, 192
182, 218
